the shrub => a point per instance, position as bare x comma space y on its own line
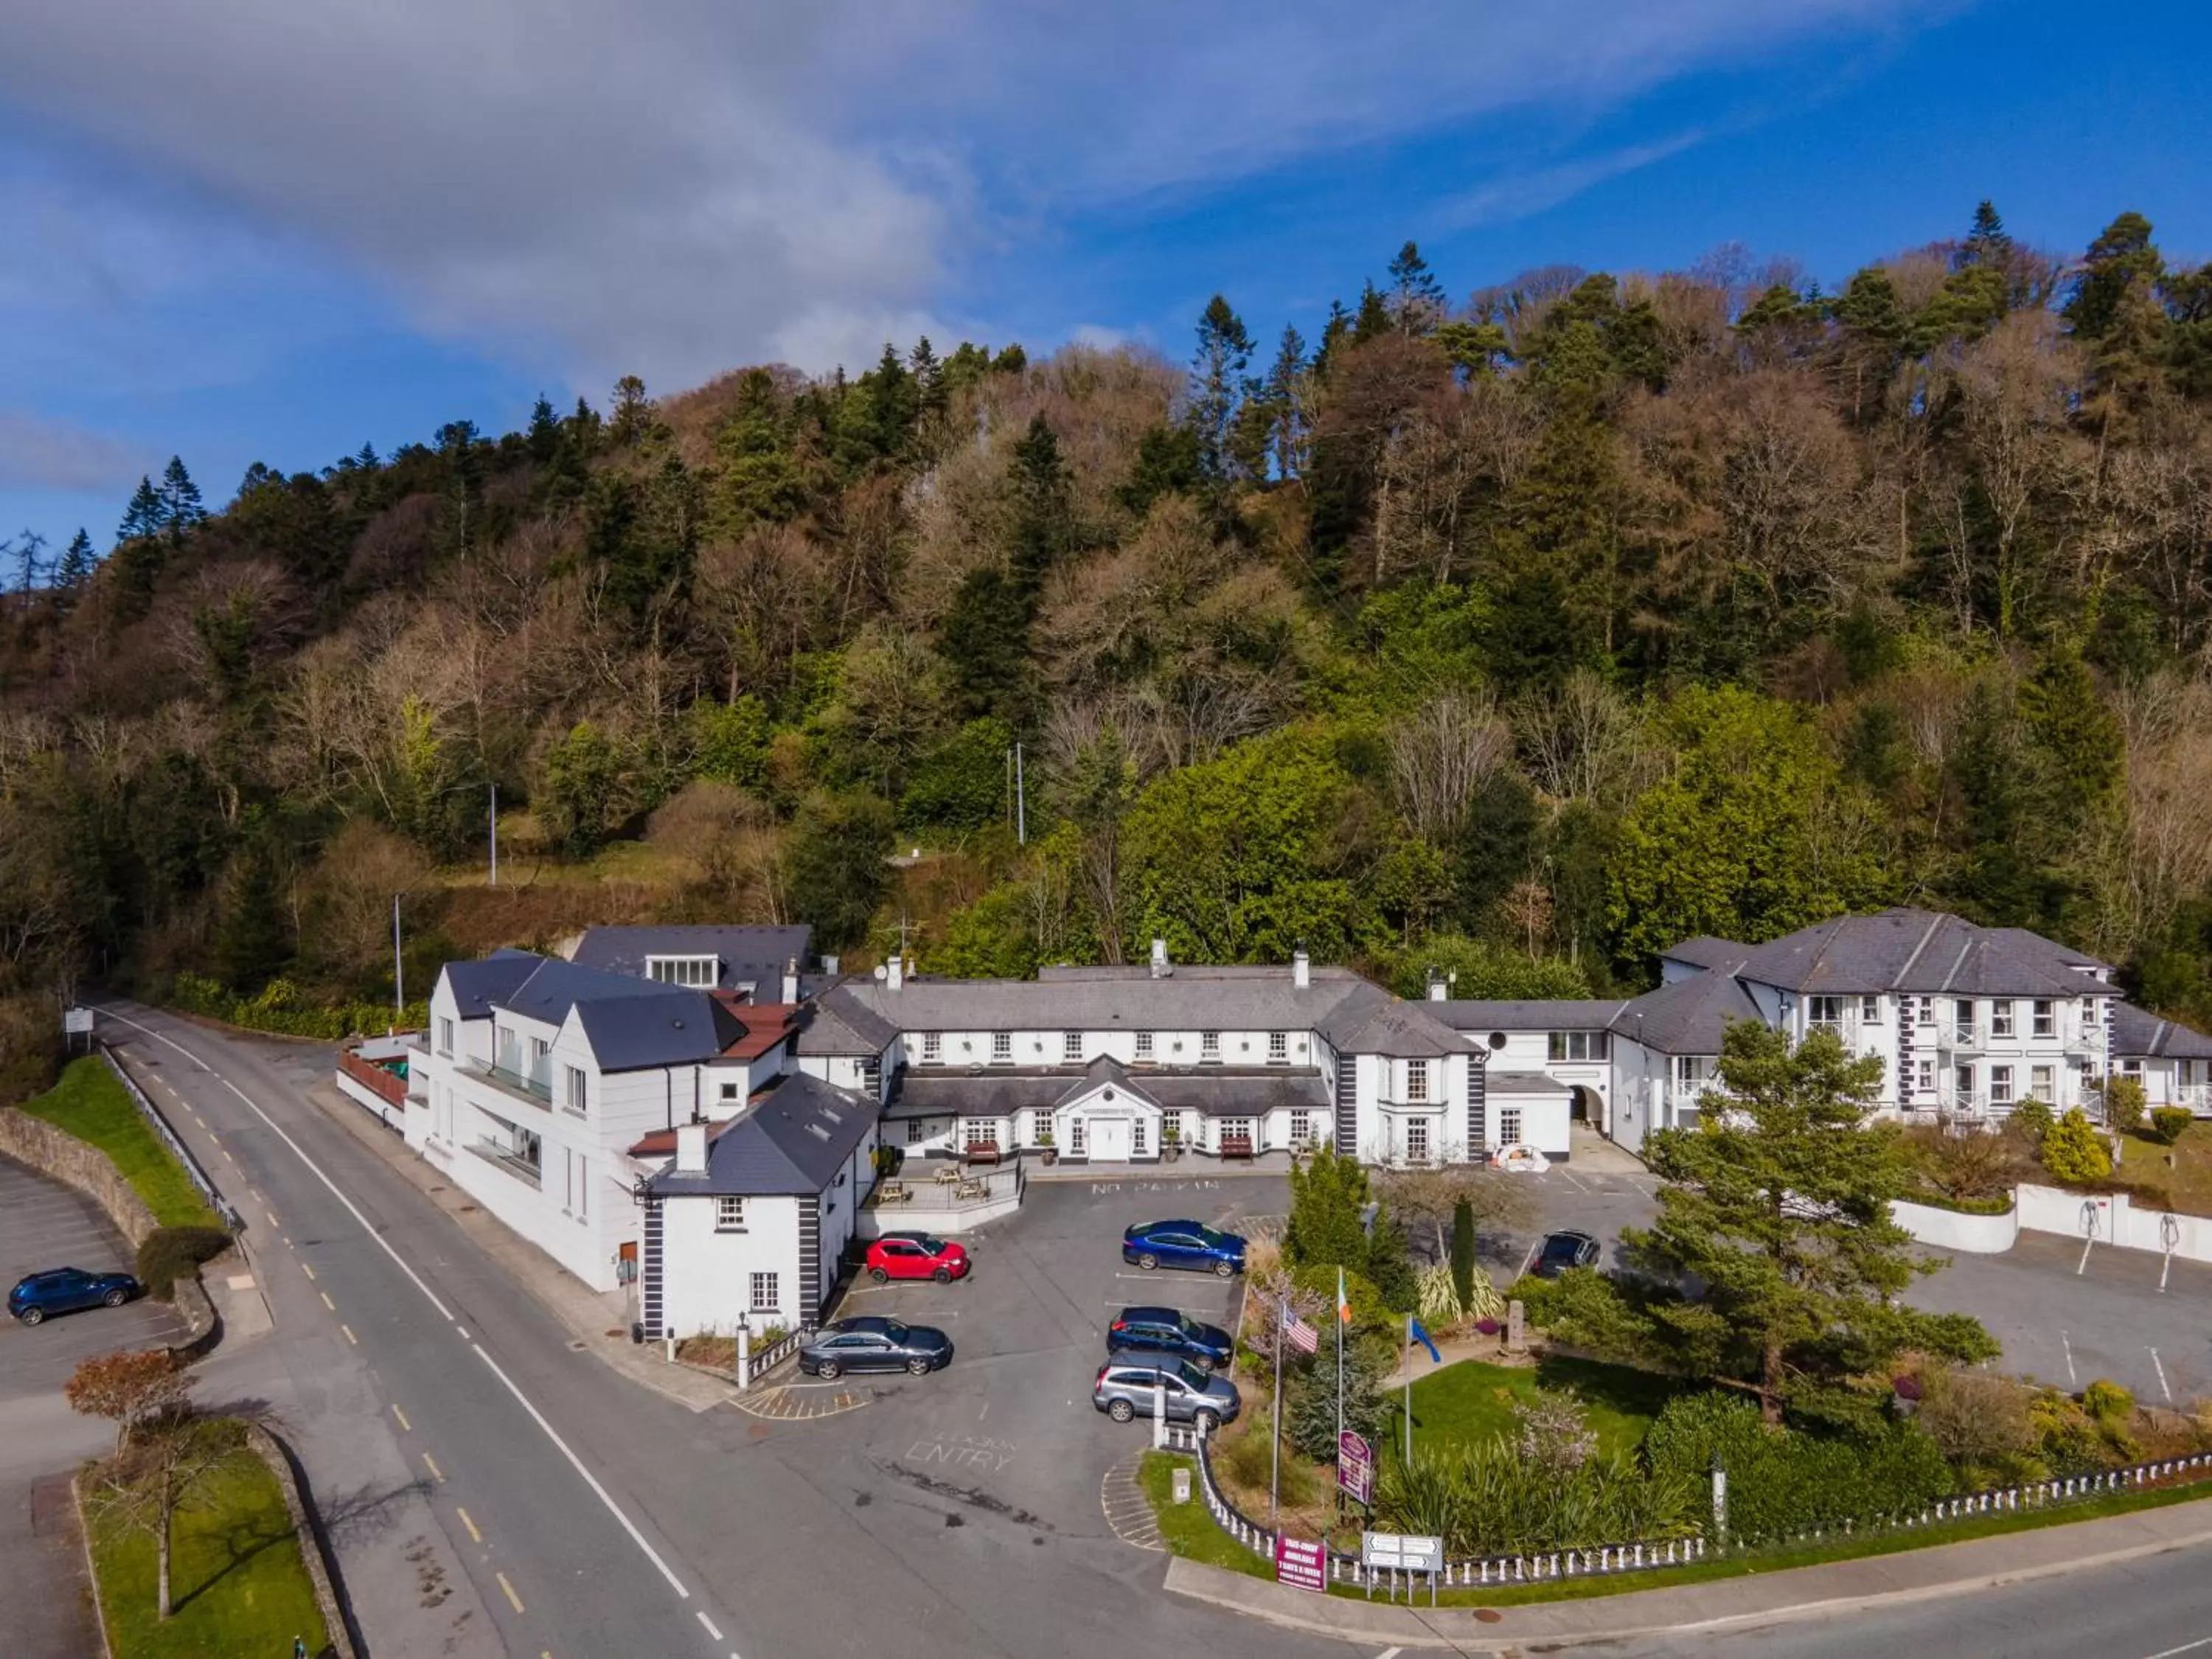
2068, 1442
172, 1253
30, 1047
2124, 1101
2073, 1150
1977, 1417
1462, 1252
1967, 1165
2032, 1120
2168, 1124
1487, 1499
278, 1008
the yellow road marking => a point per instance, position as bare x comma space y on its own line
349, 1336
327, 1302
271, 1214
227, 1158
304, 1267
509, 1589
470, 1525
404, 1423
436, 1473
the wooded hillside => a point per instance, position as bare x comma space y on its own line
1522, 635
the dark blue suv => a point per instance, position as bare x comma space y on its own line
64, 1290
1150, 1244
1170, 1330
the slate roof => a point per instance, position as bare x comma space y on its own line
635, 1033
838, 1022
791, 1140
478, 985
1706, 951
747, 956
2137, 1035
1689, 1016
1478, 1019
1920, 952
554, 986
1524, 1083
1000, 1092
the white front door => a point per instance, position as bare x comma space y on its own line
1110, 1140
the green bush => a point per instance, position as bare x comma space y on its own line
2033, 1120
2074, 1151
2168, 1124
172, 1253
2124, 1102
1782, 1482
1489, 1499
1462, 1252
278, 1008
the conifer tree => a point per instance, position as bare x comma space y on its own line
1217, 378
181, 508
75, 570
1373, 318
367, 459
144, 516
544, 435
1417, 298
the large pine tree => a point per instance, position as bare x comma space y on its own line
182, 510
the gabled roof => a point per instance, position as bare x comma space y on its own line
791, 1140
478, 985
1388, 1026
1915, 950
840, 1023
634, 1033
2137, 1035
746, 955
554, 986
763, 1025
1706, 951
1573, 1014
1689, 1016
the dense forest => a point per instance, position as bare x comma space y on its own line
1520, 636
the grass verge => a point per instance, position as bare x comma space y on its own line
90, 1104
237, 1580
1471, 1400
1189, 1530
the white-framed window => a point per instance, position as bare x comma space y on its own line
1417, 1080
1209, 1047
917, 1131
583, 1188
1301, 1132
1075, 1135
2000, 1085
2001, 1018
1579, 1045
2045, 1014
1417, 1139
765, 1297
1926, 1013
684, 970
979, 1131
1870, 1010
1824, 1013
446, 1036
2131, 1069
1171, 1127
1002, 1047
1235, 1128
574, 1095
1279, 1047
1962, 1015
1923, 1081
1144, 1045
1692, 1070
1962, 1086
1071, 1045
933, 1047
2043, 1084
728, 1094
729, 1215
1137, 1131
1508, 1126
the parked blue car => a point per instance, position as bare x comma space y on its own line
1169, 1331
1150, 1244
64, 1290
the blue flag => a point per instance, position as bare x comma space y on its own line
1415, 1333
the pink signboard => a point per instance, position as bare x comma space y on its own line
1302, 1562
1355, 1467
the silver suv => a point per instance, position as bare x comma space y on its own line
1127, 1384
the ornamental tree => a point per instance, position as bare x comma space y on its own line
2074, 1151
130, 1388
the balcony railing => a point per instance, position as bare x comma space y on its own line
539, 1092
494, 1152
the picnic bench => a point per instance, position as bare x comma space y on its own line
893, 1192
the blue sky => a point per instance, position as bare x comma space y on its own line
246, 230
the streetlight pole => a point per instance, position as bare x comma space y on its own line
494, 835
398, 966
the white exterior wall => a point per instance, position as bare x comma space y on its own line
1544, 1120
706, 1275
2075, 1052
959, 1049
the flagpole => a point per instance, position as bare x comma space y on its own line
1409, 1391
1275, 1423
1340, 1390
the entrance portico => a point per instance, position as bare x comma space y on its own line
1103, 1118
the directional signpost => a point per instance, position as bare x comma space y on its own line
1355, 1467
1302, 1562
1395, 1553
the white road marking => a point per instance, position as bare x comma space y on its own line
709, 1624
1390, 1653
2162, 1388
590, 1479
2072, 1381
2187, 1647
1572, 1182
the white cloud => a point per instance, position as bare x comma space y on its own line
673, 186
37, 452
1515, 196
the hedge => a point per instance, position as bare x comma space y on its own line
279, 1009
172, 1252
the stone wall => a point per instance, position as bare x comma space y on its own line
273, 1452
77, 1163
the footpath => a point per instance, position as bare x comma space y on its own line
1756, 1599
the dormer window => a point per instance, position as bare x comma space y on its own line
702, 971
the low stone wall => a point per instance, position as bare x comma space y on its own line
1955, 1230
320, 1572
77, 1164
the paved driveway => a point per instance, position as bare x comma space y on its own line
46, 1225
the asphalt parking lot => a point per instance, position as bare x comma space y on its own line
1009, 1426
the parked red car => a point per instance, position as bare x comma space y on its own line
916, 1255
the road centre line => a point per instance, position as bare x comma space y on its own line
349, 1336
709, 1624
436, 1473
470, 1525
306, 1269
327, 1302
404, 1423
512, 1597
415, 1279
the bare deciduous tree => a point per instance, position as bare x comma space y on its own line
1441, 754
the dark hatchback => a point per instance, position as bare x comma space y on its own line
1150, 1244
873, 1344
1170, 1331
65, 1290
1562, 1250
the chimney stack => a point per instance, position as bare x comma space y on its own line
1437, 991
1301, 969
895, 971
691, 1149
790, 980
1160, 967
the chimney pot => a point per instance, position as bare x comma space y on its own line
1301, 969
1435, 986
790, 980
895, 972
691, 1149
1159, 958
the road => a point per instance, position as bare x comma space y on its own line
419, 1381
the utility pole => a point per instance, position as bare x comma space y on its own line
1021, 803
398, 966
494, 835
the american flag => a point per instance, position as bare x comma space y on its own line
1300, 1335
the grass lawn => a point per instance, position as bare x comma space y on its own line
1471, 1400
235, 1574
90, 1104
2189, 1181
1188, 1529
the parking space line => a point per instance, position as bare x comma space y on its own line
512, 1597
709, 1624
2162, 1388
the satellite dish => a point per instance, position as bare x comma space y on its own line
882, 972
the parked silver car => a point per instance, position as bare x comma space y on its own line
1129, 1384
